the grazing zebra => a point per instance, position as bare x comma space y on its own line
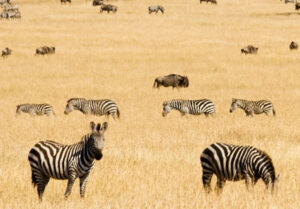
194, 107
233, 163
35, 109
49, 159
156, 9
96, 107
253, 107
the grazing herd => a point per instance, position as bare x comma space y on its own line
49, 159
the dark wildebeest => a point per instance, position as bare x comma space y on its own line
65, 1
293, 45
173, 80
289, 1
249, 49
97, 2
108, 8
211, 1
45, 50
6, 52
156, 9
297, 6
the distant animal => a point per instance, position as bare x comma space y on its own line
49, 159
97, 2
156, 9
95, 107
65, 1
35, 109
233, 163
293, 45
297, 6
253, 107
211, 1
249, 50
108, 8
5, 52
173, 80
45, 50
289, 1
193, 107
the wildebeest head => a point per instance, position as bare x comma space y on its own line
184, 81
293, 45
96, 139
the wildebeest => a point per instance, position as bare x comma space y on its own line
156, 9
293, 45
297, 6
97, 2
211, 1
249, 49
108, 8
65, 1
45, 50
289, 1
173, 80
5, 52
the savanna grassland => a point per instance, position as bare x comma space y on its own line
150, 161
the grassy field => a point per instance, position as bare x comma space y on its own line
150, 161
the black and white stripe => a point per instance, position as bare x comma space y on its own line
49, 159
35, 109
96, 107
194, 107
233, 163
253, 107
156, 9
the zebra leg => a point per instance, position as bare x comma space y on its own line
220, 184
83, 181
71, 181
249, 183
41, 185
206, 179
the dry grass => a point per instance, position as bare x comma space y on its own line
150, 161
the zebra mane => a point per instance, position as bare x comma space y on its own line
75, 99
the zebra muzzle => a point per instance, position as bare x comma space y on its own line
98, 155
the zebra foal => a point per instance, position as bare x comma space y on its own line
233, 163
95, 107
49, 159
35, 109
193, 107
253, 107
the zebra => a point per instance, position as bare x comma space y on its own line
156, 9
35, 109
49, 159
233, 163
96, 107
194, 107
253, 107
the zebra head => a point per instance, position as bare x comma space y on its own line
166, 108
74, 104
20, 108
234, 105
96, 139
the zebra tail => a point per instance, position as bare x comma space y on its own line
274, 113
118, 113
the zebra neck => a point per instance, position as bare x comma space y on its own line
175, 105
242, 104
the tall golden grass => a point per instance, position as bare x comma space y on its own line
150, 161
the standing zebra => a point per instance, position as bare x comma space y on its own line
35, 109
253, 107
49, 159
194, 107
233, 163
156, 9
96, 107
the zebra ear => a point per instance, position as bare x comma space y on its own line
104, 126
98, 127
92, 125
